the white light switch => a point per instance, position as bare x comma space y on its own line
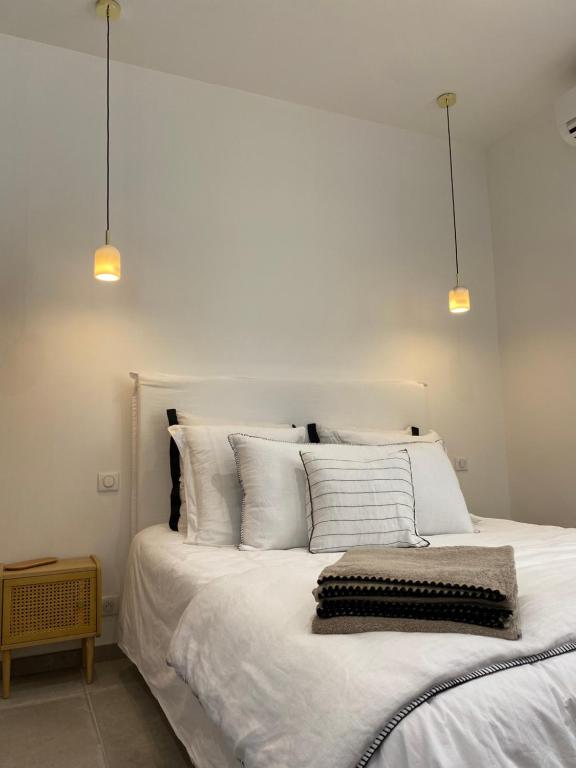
108, 481
461, 464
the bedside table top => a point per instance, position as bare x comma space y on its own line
63, 565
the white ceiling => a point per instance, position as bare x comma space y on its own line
383, 60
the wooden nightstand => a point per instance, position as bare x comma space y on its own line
49, 604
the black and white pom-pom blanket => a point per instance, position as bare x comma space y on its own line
469, 590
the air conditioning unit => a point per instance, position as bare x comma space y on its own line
566, 117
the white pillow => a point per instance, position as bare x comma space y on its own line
373, 436
183, 521
440, 504
191, 420
213, 492
274, 493
359, 497
187, 419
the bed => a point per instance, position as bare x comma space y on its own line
506, 708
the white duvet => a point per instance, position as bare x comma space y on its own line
287, 698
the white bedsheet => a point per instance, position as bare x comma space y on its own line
284, 697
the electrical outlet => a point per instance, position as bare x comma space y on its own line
461, 464
108, 481
110, 605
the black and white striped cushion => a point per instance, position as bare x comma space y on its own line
360, 498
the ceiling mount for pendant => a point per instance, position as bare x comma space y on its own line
446, 100
111, 6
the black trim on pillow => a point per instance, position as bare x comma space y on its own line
175, 500
415, 431
312, 433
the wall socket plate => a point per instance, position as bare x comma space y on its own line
461, 464
108, 481
110, 605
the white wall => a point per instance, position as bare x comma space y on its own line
257, 237
533, 193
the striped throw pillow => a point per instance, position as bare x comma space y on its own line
360, 498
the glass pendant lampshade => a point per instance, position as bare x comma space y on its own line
107, 264
459, 300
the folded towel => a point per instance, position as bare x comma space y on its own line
471, 590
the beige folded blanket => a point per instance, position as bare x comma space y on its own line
471, 590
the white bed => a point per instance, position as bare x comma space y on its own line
164, 574
145, 639
495, 720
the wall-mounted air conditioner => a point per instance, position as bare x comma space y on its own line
566, 117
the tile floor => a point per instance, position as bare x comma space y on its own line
54, 720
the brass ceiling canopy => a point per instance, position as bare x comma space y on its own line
446, 100
102, 7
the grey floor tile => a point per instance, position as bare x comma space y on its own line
113, 673
55, 734
43, 687
134, 730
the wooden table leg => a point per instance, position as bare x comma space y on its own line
6, 663
88, 656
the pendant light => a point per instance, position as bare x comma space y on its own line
107, 257
458, 297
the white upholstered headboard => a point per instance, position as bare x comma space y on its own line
363, 404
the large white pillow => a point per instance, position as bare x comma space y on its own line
188, 507
274, 493
373, 436
359, 497
213, 492
440, 504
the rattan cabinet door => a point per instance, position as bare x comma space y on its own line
40, 608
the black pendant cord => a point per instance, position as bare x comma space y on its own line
452, 190
107, 124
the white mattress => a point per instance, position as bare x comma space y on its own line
163, 576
